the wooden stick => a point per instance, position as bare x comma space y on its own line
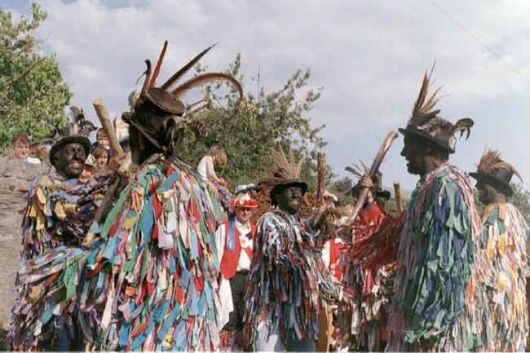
321, 181
397, 197
373, 169
103, 116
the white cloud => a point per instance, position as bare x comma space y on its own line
369, 55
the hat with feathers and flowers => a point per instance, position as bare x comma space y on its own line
158, 112
494, 171
426, 124
284, 172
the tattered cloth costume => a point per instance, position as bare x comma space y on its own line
504, 262
150, 281
157, 265
58, 212
370, 265
288, 280
433, 307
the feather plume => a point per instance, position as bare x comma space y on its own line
156, 71
147, 73
185, 68
491, 161
205, 79
83, 126
423, 109
284, 167
359, 170
462, 126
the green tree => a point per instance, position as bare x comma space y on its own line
33, 94
249, 131
521, 200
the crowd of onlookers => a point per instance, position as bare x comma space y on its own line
25, 159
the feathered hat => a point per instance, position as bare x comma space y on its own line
377, 179
426, 124
284, 172
77, 131
164, 100
493, 171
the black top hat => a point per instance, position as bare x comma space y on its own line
428, 126
493, 171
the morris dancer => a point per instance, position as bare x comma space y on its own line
58, 212
156, 265
504, 259
369, 269
288, 280
433, 306
150, 281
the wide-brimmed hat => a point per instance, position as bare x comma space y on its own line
284, 172
73, 133
427, 125
164, 100
82, 140
493, 171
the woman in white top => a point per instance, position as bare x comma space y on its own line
216, 156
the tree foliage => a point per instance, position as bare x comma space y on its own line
33, 94
249, 131
521, 200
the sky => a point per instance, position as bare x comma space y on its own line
368, 56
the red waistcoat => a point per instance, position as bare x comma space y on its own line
231, 257
336, 267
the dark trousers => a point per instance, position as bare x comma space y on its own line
238, 285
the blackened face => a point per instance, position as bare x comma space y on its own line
486, 194
70, 160
135, 145
414, 153
290, 199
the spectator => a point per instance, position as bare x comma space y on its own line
23, 149
102, 139
19, 168
22, 144
91, 165
102, 158
216, 156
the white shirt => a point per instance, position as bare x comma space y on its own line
206, 168
243, 229
33, 160
326, 251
